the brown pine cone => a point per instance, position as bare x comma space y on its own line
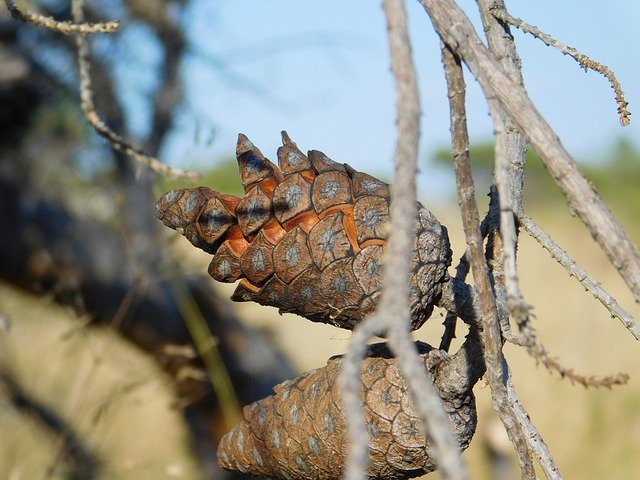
300, 433
307, 237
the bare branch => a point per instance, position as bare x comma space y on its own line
207, 347
509, 166
491, 337
537, 350
584, 61
457, 31
66, 28
392, 315
116, 141
575, 270
534, 439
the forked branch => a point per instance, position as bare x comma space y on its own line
457, 31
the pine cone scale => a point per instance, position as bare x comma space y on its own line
300, 432
307, 236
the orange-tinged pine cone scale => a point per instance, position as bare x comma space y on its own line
307, 236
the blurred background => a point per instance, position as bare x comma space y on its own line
103, 311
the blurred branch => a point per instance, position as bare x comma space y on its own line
584, 61
392, 315
116, 141
239, 80
207, 348
66, 28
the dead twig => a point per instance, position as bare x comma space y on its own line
66, 28
458, 32
392, 315
584, 61
575, 270
116, 141
538, 351
491, 337
509, 167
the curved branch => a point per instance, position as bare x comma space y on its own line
584, 61
116, 141
66, 28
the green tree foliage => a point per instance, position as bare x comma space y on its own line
616, 176
222, 177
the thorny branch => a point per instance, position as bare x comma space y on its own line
584, 61
509, 182
539, 352
80, 28
510, 147
392, 315
457, 31
66, 28
575, 270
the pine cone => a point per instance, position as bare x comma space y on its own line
300, 433
307, 237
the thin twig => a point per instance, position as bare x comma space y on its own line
510, 148
537, 350
116, 141
392, 315
534, 439
491, 337
456, 30
66, 28
584, 61
575, 270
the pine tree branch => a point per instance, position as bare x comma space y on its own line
491, 336
66, 28
584, 61
116, 141
392, 315
575, 270
510, 148
457, 31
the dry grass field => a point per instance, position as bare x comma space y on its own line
120, 404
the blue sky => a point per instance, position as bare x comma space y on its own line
320, 70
